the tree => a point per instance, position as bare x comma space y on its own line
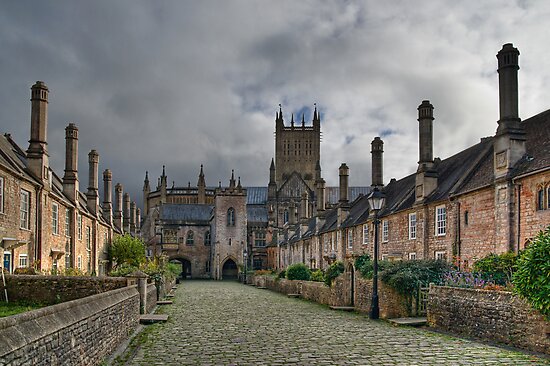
126, 250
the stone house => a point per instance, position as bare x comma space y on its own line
46, 222
489, 198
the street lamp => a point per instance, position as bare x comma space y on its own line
245, 255
376, 201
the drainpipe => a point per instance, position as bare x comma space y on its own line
458, 239
518, 222
38, 227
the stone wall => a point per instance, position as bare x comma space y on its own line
151, 297
392, 304
494, 315
78, 332
55, 289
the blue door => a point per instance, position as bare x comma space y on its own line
7, 261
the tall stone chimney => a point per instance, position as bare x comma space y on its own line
126, 213
108, 196
118, 207
70, 178
426, 176
509, 144
93, 186
304, 207
292, 213
37, 153
133, 217
138, 220
319, 188
344, 185
377, 150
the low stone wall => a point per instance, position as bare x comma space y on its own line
494, 315
78, 332
392, 304
151, 297
56, 289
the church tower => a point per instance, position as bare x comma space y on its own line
297, 148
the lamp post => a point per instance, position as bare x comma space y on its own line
245, 255
376, 201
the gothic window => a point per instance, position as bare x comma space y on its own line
231, 217
190, 240
540, 199
285, 216
548, 197
207, 238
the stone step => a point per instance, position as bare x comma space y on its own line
174, 287
153, 318
294, 296
164, 302
342, 308
411, 322
261, 287
170, 295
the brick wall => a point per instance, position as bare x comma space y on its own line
79, 332
532, 220
492, 315
55, 289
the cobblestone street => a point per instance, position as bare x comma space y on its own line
226, 323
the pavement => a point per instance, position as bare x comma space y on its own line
227, 323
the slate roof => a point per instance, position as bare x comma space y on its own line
256, 213
13, 158
188, 213
258, 195
537, 130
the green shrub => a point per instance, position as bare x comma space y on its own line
282, 274
317, 276
407, 276
298, 271
364, 265
333, 271
126, 250
532, 277
497, 268
123, 270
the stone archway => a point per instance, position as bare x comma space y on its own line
230, 271
185, 267
351, 274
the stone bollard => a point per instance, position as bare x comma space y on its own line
140, 278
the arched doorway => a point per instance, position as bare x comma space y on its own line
351, 274
185, 267
230, 270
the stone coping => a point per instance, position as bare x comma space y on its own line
19, 330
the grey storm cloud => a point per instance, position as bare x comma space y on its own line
185, 83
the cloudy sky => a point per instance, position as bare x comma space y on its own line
184, 83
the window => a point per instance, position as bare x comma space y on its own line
207, 266
88, 238
412, 256
440, 255
1, 194
365, 234
105, 242
257, 263
385, 230
24, 209
207, 238
326, 242
440, 220
67, 222
190, 240
79, 262
55, 218
548, 197
79, 220
540, 199
466, 218
231, 217
259, 239
67, 254
412, 225
350, 238
285, 217
23, 263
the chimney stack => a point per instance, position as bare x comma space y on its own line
133, 218
92, 195
70, 179
304, 207
37, 153
377, 150
509, 144
107, 196
320, 187
426, 175
118, 207
138, 220
126, 213
344, 177
292, 213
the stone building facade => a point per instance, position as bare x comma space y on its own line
46, 222
489, 198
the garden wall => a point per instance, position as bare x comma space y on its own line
392, 304
49, 290
151, 297
78, 332
493, 315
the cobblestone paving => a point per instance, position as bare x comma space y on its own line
224, 323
